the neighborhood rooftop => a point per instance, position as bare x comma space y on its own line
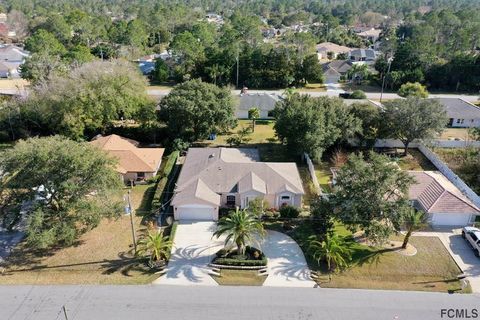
459, 109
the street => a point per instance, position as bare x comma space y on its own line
182, 302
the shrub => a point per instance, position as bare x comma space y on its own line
254, 258
172, 159
162, 183
413, 90
358, 94
289, 212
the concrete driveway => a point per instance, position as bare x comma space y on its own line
193, 249
460, 251
287, 266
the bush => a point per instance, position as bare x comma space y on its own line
172, 159
413, 90
289, 212
254, 258
358, 94
162, 183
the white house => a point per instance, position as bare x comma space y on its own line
461, 113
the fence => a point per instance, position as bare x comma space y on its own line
392, 143
313, 176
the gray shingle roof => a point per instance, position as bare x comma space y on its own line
459, 109
263, 101
341, 66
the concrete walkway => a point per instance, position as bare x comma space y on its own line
193, 249
460, 251
287, 266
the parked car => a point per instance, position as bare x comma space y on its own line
472, 235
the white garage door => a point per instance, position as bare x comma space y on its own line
445, 219
205, 213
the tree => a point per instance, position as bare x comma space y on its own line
253, 114
358, 73
86, 101
371, 123
370, 195
311, 70
240, 227
57, 26
161, 72
413, 118
312, 124
43, 41
323, 217
412, 90
195, 109
413, 220
40, 66
155, 245
333, 250
67, 183
241, 137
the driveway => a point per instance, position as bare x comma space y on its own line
460, 251
193, 249
287, 266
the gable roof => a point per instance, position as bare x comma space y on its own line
226, 169
263, 101
12, 53
130, 157
459, 109
364, 53
436, 194
332, 47
340, 66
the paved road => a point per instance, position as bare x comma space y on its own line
179, 302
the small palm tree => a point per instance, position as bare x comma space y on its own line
253, 114
240, 227
154, 245
414, 220
334, 250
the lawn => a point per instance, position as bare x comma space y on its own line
264, 133
455, 133
230, 277
324, 176
415, 160
101, 256
431, 269
313, 87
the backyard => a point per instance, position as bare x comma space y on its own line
101, 256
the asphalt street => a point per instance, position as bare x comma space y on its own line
181, 302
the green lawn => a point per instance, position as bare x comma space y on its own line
230, 277
263, 133
324, 175
415, 160
431, 269
101, 256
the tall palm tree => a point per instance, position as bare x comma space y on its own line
155, 245
240, 227
334, 250
414, 220
253, 114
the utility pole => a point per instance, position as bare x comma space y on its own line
384, 76
129, 210
237, 65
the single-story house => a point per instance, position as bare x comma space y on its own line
134, 163
213, 178
445, 204
363, 55
11, 58
326, 48
370, 34
461, 114
263, 101
335, 69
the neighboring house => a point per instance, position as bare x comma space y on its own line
370, 34
335, 69
325, 49
445, 204
263, 101
146, 64
11, 58
363, 55
461, 114
213, 178
134, 163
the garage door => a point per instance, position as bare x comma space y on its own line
445, 219
205, 213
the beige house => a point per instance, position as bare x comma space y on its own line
325, 49
212, 178
134, 163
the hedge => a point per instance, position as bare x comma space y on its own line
235, 262
172, 159
162, 183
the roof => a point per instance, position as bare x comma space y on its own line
12, 53
332, 47
436, 194
225, 170
364, 53
459, 109
370, 33
130, 157
340, 66
263, 101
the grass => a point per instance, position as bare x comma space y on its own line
264, 133
415, 160
324, 176
315, 87
455, 133
431, 269
229, 277
101, 256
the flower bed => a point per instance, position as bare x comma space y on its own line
253, 258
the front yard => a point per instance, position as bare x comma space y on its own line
101, 256
230, 277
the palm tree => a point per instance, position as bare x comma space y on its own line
334, 250
155, 245
414, 220
240, 227
253, 114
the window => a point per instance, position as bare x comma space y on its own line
460, 121
474, 237
231, 200
140, 175
285, 197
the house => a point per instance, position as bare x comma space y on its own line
329, 50
363, 55
11, 58
134, 163
370, 34
461, 114
263, 101
335, 69
213, 178
444, 203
